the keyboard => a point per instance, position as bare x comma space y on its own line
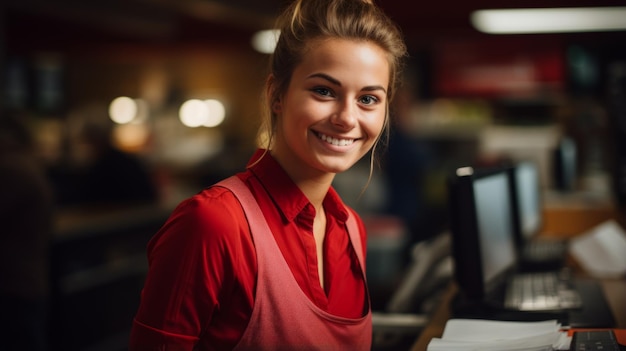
543, 250
541, 292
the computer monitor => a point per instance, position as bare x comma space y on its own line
482, 230
527, 210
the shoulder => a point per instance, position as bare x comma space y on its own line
212, 205
212, 219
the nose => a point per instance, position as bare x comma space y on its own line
345, 116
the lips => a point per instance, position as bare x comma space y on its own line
334, 141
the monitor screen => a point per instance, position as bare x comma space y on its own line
495, 227
528, 198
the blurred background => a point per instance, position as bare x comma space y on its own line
114, 111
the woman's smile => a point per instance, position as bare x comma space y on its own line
334, 141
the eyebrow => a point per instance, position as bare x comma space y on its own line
338, 83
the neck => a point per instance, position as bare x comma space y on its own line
315, 190
314, 185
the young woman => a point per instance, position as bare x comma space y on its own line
271, 258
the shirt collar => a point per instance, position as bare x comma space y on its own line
285, 193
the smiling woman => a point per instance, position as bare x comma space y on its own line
223, 262
334, 110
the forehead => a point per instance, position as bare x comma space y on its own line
346, 56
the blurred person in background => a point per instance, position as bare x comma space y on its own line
92, 172
271, 258
108, 176
26, 211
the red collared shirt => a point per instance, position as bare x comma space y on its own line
201, 282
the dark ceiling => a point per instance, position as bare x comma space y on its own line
78, 23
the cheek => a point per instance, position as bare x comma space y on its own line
302, 115
294, 125
376, 125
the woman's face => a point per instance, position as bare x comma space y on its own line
334, 108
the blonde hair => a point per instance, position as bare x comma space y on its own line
306, 20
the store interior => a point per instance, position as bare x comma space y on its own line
84, 76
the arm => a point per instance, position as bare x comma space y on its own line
192, 273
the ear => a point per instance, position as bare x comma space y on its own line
275, 104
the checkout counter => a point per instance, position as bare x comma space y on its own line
563, 217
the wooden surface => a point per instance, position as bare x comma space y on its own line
438, 322
569, 215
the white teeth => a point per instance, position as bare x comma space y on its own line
335, 141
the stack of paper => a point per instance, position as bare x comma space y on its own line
488, 335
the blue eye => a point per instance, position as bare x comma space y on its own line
369, 99
322, 91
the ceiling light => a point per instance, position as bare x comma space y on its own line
550, 20
264, 41
208, 113
123, 110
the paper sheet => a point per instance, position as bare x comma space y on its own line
487, 335
602, 250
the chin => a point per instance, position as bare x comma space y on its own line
337, 166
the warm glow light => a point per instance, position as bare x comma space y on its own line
123, 110
264, 41
208, 113
550, 20
216, 113
130, 137
193, 113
